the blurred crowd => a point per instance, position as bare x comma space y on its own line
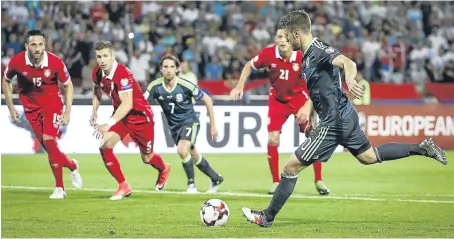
391, 42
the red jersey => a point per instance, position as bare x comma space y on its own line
119, 80
285, 75
38, 86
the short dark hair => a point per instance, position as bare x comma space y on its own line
103, 45
170, 57
34, 32
296, 20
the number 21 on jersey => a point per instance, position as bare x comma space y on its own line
283, 75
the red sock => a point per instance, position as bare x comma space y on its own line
157, 162
317, 171
273, 161
69, 163
54, 156
112, 164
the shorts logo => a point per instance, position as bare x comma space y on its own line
47, 73
329, 50
296, 66
179, 98
306, 143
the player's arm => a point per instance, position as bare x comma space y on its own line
350, 70
258, 62
125, 92
8, 90
124, 108
96, 98
210, 110
65, 79
348, 65
197, 94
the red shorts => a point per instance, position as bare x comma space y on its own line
278, 112
141, 133
45, 121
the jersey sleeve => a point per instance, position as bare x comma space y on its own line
10, 70
261, 60
94, 76
197, 93
150, 93
125, 81
62, 71
327, 54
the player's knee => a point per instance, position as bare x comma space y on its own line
273, 139
367, 158
146, 158
183, 152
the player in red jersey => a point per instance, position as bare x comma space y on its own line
288, 95
132, 115
38, 73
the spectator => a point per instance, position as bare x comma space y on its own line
187, 74
139, 67
214, 69
14, 44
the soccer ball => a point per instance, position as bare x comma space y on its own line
214, 213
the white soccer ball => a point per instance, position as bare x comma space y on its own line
214, 213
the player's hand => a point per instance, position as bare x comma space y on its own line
65, 119
303, 114
97, 134
355, 89
94, 120
103, 128
15, 116
214, 133
236, 93
310, 127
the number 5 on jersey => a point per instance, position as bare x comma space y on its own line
284, 74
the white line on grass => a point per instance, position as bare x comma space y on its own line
238, 194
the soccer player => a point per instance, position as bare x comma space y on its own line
132, 115
38, 73
288, 95
175, 95
338, 118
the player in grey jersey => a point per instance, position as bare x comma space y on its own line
338, 119
175, 95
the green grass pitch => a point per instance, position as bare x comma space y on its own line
412, 197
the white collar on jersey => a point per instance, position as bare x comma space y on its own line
112, 72
44, 62
292, 57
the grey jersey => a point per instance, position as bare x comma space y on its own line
324, 83
177, 102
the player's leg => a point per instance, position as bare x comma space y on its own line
187, 137
320, 186
108, 142
318, 147
50, 119
358, 144
277, 115
203, 165
36, 123
143, 136
184, 151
